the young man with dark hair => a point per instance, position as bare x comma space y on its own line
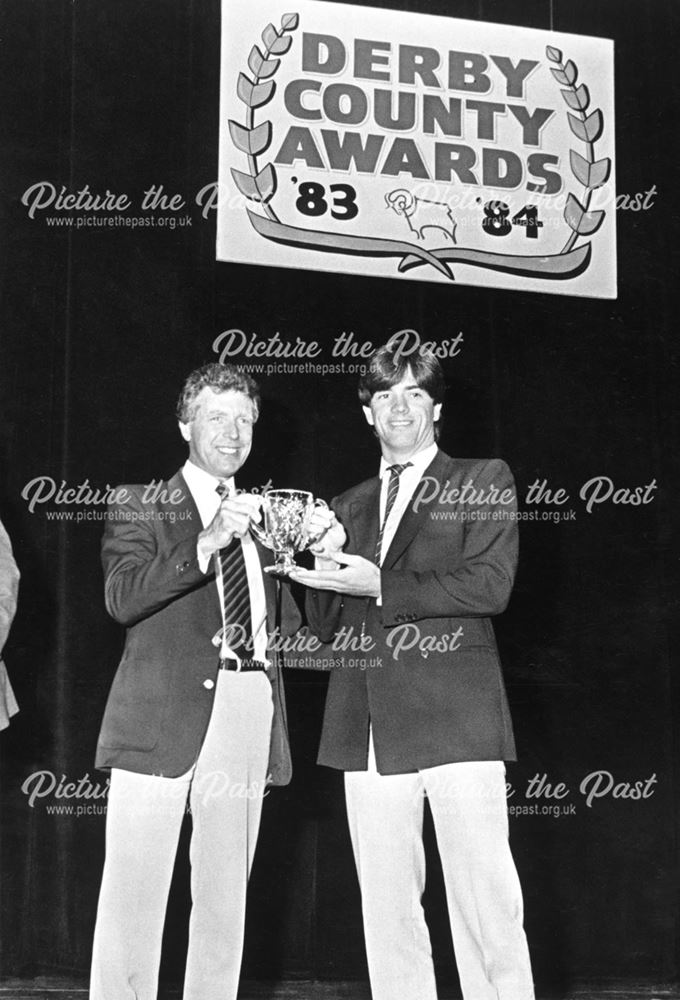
389, 366
417, 561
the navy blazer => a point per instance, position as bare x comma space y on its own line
159, 706
431, 682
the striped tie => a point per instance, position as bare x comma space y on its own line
392, 489
235, 594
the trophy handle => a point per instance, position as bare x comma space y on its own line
312, 540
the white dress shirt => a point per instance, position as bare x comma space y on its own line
408, 480
203, 488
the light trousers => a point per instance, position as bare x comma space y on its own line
224, 791
468, 804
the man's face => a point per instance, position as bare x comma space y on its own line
220, 434
403, 417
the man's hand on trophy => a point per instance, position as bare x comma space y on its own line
329, 535
232, 520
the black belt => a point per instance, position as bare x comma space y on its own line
229, 663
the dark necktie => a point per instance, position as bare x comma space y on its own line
392, 489
235, 594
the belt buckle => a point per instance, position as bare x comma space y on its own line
245, 664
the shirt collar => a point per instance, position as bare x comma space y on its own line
419, 461
200, 481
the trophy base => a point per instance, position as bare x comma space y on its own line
282, 568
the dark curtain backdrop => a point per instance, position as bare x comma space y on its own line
98, 330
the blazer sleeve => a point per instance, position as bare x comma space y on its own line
480, 582
9, 586
143, 571
323, 609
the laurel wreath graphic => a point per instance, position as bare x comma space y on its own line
588, 171
259, 184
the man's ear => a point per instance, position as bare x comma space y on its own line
437, 412
185, 430
368, 413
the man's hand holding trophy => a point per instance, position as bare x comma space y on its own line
334, 569
293, 522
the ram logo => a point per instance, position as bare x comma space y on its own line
422, 215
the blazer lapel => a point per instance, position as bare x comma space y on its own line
365, 519
188, 518
188, 522
413, 519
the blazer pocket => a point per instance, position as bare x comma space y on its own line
135, 709
439, 639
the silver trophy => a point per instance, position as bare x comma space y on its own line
287, 514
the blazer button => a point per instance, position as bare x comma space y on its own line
208, 684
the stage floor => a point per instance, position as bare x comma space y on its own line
47, 988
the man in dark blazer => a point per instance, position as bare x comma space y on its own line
195, 718
413, 565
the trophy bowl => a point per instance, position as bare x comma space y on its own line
286, 528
